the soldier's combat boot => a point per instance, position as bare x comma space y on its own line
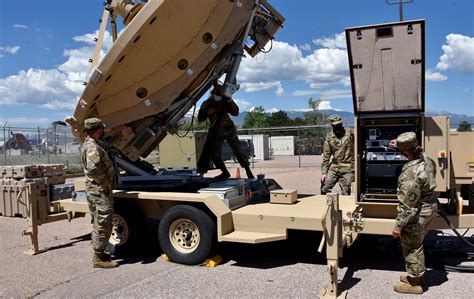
413, 286
249, 172
224, 175
102, 260
403, 278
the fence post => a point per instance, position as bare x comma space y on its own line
47, 144
299, 148
253, 156
38, 144
4, 144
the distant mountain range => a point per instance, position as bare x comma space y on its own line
348, 117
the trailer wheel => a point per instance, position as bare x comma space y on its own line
125, 230
186, 235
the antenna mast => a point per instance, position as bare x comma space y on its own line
400, 3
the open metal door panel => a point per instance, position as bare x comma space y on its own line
386, 64
436, 145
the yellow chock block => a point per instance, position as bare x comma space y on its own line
212, 262
165, 257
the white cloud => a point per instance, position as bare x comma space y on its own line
325, 105
335, 94
304, 93
89, 39
301, 110
243, 104
20, 26
273, 110
57, 88
305, 47
431, 75
252, 108
458, 54
338, 41
280, 91
329, 94
320, 85
25, 122
9, 50
252, 87
287, 62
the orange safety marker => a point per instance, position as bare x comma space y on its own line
237, 173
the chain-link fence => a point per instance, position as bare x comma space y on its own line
55, 144
288, 145
296, 146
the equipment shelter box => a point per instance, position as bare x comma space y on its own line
19, 182
387, 68
21, 171
12, 204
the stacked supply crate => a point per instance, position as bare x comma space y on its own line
22, 183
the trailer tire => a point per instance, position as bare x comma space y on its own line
186, 235
126, 229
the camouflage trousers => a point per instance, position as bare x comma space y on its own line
412, 236
214, 146
334, 176
101, 207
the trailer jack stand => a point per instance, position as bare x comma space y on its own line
332, 233
33, 233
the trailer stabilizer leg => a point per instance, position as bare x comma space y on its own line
332, 233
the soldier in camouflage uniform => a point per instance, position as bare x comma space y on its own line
340, 145
416, 210
217, 109
100, 179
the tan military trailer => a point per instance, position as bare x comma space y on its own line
167, 58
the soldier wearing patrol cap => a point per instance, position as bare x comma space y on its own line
100, 179
340, 145
417, 208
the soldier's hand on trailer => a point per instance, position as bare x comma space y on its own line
396, 233
323, 178
393, 143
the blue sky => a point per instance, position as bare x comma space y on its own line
45, 45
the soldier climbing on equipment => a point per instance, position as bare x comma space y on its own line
340, 145
416, 210
217, 109
100, 179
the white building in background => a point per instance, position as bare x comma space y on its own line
283, 145
260, 145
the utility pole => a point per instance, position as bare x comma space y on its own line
55, 124
5, 143
400, 3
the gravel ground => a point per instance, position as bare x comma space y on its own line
291, 268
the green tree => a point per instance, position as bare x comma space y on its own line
257, 118
464, 126
297, 121
279, 119
314, 116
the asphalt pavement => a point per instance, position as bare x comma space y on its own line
291, 268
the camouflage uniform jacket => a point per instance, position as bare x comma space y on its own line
209, 110
416, 185
341, 150
98, 168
